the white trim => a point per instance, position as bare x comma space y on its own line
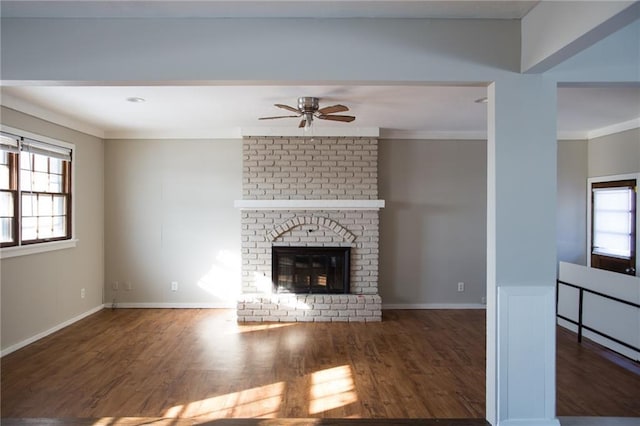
433, 306
603, 131
159, 305
365, 132
433, 135
52, 330
199, 134
24, 250
592, 180
614, 128
26, 107
530, 422
308, 204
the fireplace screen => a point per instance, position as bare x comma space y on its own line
319, 270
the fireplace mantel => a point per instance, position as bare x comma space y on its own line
308, 204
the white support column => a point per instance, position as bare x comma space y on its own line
521, 252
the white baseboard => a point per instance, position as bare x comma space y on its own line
433, 306
529, 422
153, 305
52, 330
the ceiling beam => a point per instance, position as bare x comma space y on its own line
555, 31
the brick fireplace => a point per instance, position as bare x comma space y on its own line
309, 193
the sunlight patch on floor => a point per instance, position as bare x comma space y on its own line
263, 401
259, 327
331, 388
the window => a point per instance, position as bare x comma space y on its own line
35, 186
8, 189
613, 225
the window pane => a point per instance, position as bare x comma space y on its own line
45, 227
40, 163
45, 205
29, 228
25, 180
613, 199
59, 226
6, 204
25, 161
617, 222
614, 244
29, 205
55, 183
4, 176
55, 166
40, 182
6, 230
59, 205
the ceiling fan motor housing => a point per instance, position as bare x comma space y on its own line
308, 104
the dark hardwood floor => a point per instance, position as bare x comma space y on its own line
195, 366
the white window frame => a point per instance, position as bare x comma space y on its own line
23, 250
598, 179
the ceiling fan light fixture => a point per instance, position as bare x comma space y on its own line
308, 120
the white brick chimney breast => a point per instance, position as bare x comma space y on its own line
309, 193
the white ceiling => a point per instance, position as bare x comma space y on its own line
221, 111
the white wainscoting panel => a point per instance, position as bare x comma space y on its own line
526, 355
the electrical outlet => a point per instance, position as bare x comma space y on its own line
115, 285
483, 300
127, 285
82, 293
460, 286
174, 285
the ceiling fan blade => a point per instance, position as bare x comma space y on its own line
288, 108
302, 124
278, 116
345, 118
332, 109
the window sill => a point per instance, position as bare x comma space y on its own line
26, 250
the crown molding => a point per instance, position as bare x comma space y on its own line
615, 128
433, 135
353, 132
23, 106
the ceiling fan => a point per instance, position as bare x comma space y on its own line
309, 107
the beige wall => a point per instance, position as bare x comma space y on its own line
615, 154
42, 291
170, 217
572, 201
433, 228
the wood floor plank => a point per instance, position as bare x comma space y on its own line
200, 365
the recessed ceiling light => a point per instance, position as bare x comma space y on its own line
136, 100
483, 100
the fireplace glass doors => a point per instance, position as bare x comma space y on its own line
317, 270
